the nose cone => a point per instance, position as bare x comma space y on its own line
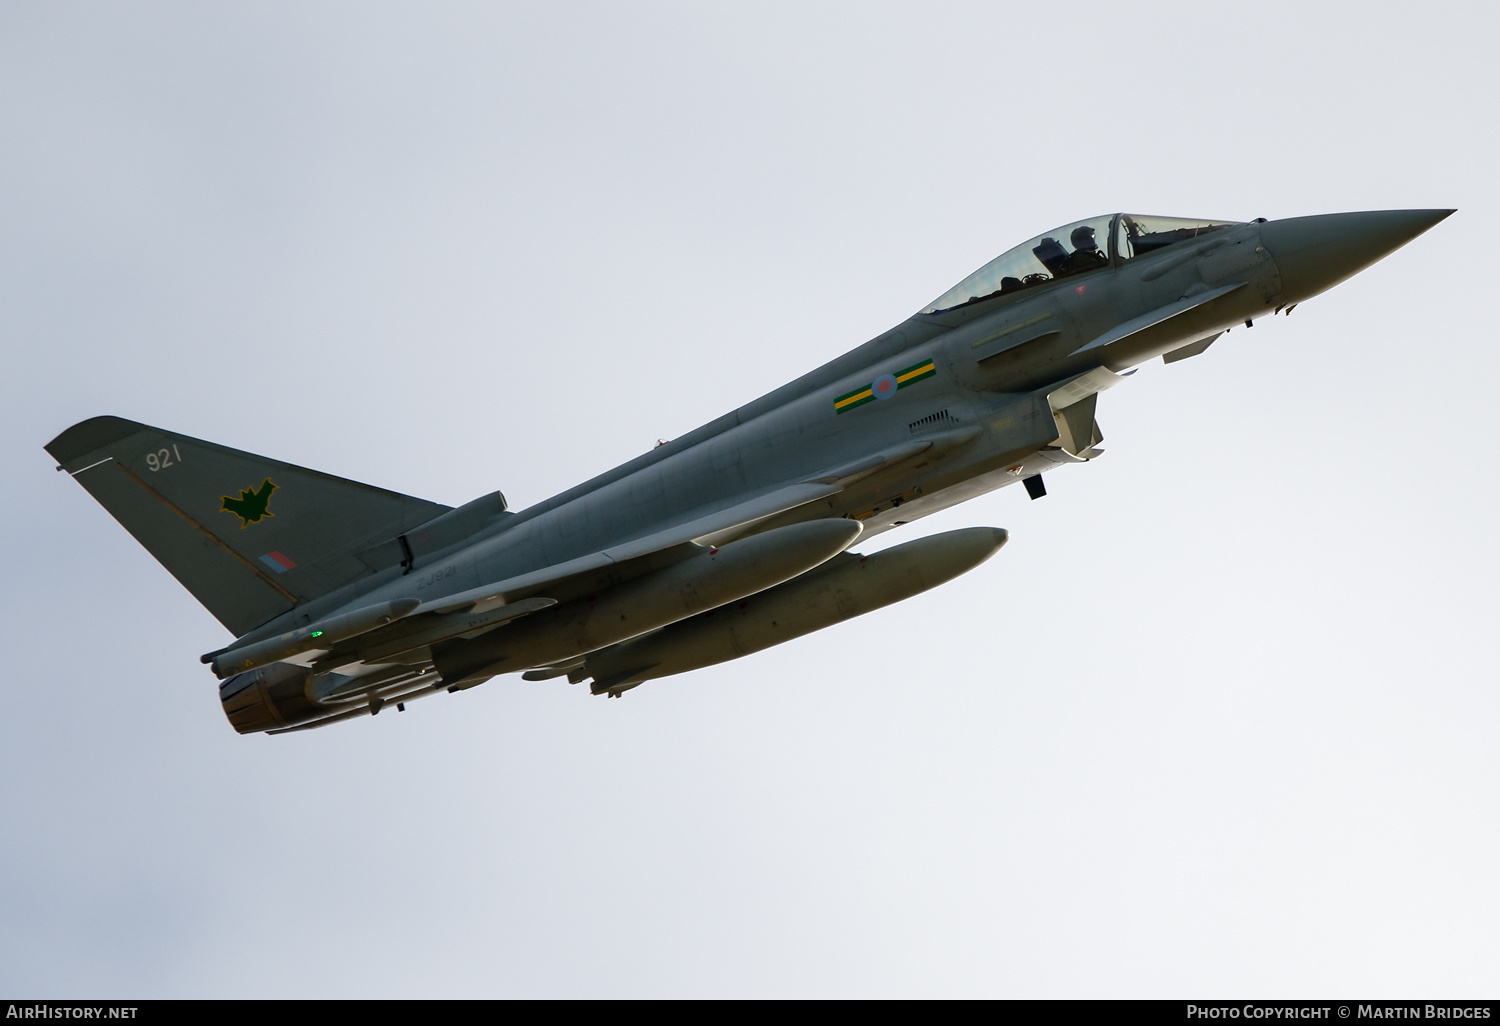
1314, 254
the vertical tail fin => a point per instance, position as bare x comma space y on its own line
250, 537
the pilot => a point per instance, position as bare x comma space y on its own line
1085, 255
1009, 284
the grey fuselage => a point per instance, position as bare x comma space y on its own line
984, 406
975, 392
345, 597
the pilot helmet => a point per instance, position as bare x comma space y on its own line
1083, 238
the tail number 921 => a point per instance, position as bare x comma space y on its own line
161, 459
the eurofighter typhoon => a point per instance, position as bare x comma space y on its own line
345, 598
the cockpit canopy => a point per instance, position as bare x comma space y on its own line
1070, 250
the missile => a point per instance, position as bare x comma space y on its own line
321, 635
845, 587
699, 583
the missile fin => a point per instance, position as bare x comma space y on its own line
551, 672
617, 682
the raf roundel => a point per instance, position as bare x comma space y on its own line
884, 386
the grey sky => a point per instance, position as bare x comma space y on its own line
1220, 719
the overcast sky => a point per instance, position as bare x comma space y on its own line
1219, 720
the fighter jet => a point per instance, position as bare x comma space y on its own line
345, 598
